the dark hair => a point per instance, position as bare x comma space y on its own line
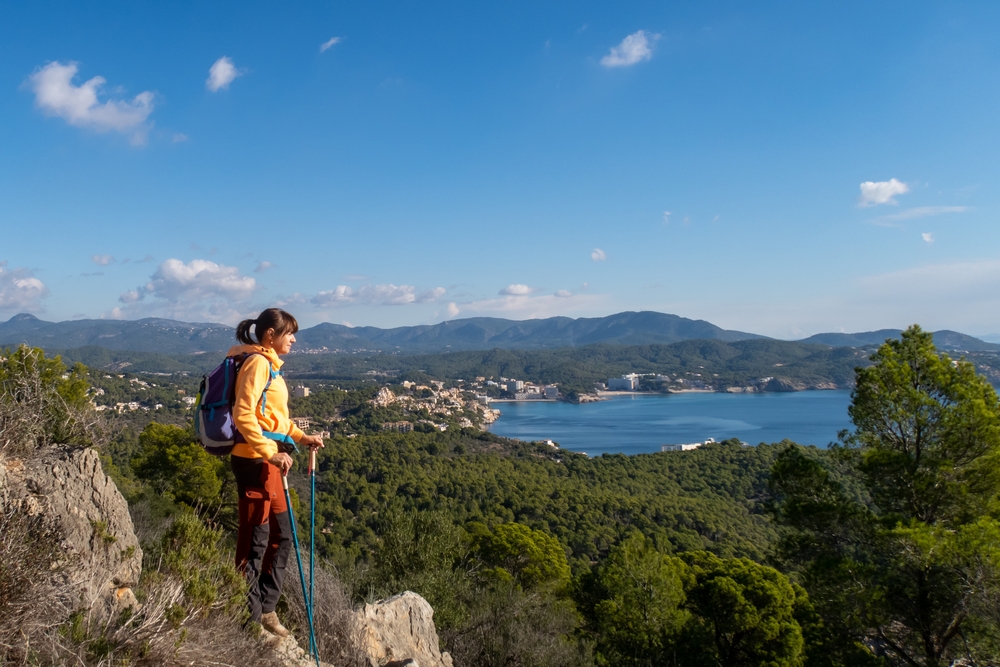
272, 318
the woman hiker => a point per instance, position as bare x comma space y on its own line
259, 459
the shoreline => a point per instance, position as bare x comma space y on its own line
603, 395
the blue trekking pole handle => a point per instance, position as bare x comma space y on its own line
302, 574
312, 532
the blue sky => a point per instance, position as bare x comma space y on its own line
824, 168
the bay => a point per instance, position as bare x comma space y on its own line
641, 424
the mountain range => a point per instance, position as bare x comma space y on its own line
479, 333
951, 341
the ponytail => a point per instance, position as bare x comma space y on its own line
243, 332
273, 318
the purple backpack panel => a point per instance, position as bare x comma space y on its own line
213, 421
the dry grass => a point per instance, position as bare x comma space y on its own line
41, 627
338, 635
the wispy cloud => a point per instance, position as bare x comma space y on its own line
222, 73
263, 266
179, 138
328, 43
874, 193
56, 95
532, 306
598, 255
376, 295
517, 290
20, 290
634, 49
923, 212
959, 280
102, 260
928, 237
666, 217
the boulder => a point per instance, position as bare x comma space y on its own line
69, 489
400, 631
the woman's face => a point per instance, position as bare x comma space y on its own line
280, 344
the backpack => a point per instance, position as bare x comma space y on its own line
213, 422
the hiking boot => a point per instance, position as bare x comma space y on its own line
270, 622
269, 640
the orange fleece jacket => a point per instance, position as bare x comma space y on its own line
250, 421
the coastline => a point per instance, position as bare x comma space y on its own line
603, 395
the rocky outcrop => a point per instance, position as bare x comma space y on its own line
400, 632
783, 385
69, 489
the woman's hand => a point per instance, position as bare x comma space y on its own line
282, 462
312, 441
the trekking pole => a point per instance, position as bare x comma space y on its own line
302, 574
312, 534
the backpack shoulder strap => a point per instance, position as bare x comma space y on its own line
272, 374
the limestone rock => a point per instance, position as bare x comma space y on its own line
400, 631
783, 385
69, 488
290, 654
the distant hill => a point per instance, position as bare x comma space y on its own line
485, 333
950, 341
147, 335
471, 334
481, 333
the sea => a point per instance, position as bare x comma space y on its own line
637, 424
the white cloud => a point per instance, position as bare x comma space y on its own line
198, 290
635, 48
874, 193
328, 43
666, 217
453, 309
517, 290
928, 237
563, 294
131, 296
102, 260
376, 295
598, 255
19, 290
263, 266
221, 74
56, 95
199, 279
179, 137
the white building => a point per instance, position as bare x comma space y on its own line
628, 382
685, 447
514, 386
300, 391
